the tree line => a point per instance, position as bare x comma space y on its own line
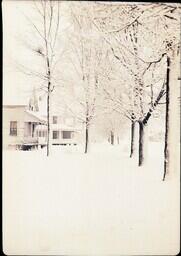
121, 59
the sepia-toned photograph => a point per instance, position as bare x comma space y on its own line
91, 127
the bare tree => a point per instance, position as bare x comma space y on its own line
86, 58
134, 26
45, 27
172, 75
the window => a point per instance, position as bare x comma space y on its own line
42, 133
66, 134
55, 135
13, 128
33, 130
55, 119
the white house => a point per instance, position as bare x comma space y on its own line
25, 127
19, 124
64, 131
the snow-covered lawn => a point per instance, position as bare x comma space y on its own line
99, 203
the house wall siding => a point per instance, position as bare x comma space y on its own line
13, 114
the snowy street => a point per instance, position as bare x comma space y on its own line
99, 203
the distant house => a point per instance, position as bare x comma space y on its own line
64, 131
19, 125
24, 127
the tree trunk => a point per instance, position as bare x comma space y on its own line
150, 111
141, 143
167, 117
112, 138
118, 140
132, 138
48, 103
48, 120
86, 138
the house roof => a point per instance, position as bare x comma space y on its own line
14, 106
63, 127
37, 116
57, 127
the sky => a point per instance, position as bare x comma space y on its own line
15, 84
17, 33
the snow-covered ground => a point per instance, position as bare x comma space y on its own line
99, 203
